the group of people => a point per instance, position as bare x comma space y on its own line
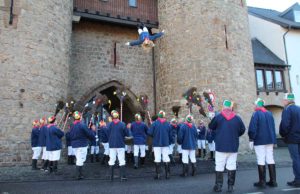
222, 136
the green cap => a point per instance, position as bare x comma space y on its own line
289, 96
161, 114
189, 118
227, 103
260, 102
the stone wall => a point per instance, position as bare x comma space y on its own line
93, 61
207, 45
34, 57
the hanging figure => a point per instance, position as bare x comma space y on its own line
145, 39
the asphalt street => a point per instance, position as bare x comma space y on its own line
202, 183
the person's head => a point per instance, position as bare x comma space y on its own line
77, 115
128, 125
147, 44
35, 123
51, 119
259, 103
288, 98
227, 104
137, 117
115, 114
109, 119
92, 126
173, 121
102, 123
43, 121
189, 118
161, 114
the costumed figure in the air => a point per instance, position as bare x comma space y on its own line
145, 39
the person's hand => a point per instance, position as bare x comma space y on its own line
251, 145
127, 43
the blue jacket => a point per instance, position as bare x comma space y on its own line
94, 141
187, 137
202, 132
290, 124
116, 132
175, 131
228, 130
161, 132
139, 133
102, 134
210, 136
145, 35
68, 139
35, 133
80, 134
53, 138
262, 128
42, 136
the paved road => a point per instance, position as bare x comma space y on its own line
202, 183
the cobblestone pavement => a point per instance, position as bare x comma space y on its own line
98, 171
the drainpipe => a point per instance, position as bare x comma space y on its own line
11, 16
154, 81
286, 56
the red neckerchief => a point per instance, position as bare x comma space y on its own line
228, 114
174, 125
50, 125
262, 109
161, 120
116, 121
76, 121
190, 125
138, 122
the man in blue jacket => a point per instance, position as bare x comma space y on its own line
161, 133
202, 139
36, 148
79, 136
102, 133
210, 137
187, 137
42, 143
116, 132
290, 130
262, 135
229, 127
53, 143
139, 132
175, 130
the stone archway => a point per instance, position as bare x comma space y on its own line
130, 106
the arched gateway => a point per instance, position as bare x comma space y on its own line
130, 104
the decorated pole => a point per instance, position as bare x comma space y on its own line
120, 93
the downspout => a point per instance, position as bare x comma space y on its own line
154, 81
11, 16
286, 56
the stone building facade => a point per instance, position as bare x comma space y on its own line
45, 58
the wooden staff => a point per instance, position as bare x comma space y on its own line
66, 121
149, 118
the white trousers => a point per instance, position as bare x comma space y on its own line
188, 154
94, 149
141, 148
171, 149
45, 155
54, 155
201, 144
225, 159
129, 149
212, 146
114, 153
36, 152
161, 153
80, 154
70, 151
264, 154
106, 148
179, 149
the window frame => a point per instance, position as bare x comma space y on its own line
273, 69
133, 6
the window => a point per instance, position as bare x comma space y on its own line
260, 79
278, 80
132, 3
297, 16
268, 79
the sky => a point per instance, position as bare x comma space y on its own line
279, 5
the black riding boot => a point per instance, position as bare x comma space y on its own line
199, 152
111, 169
172, 159
123, 173
167, 170
79, 172
262, 176
34, 164
142, 161
55, 166
157, 170
272, 173
204, 153
73, 160
219, 182
194, 169
231, 180
185, 170
97, 157
46, 165
211, 155
69, 160
103, 159
136, 162
92, 158
180, 159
